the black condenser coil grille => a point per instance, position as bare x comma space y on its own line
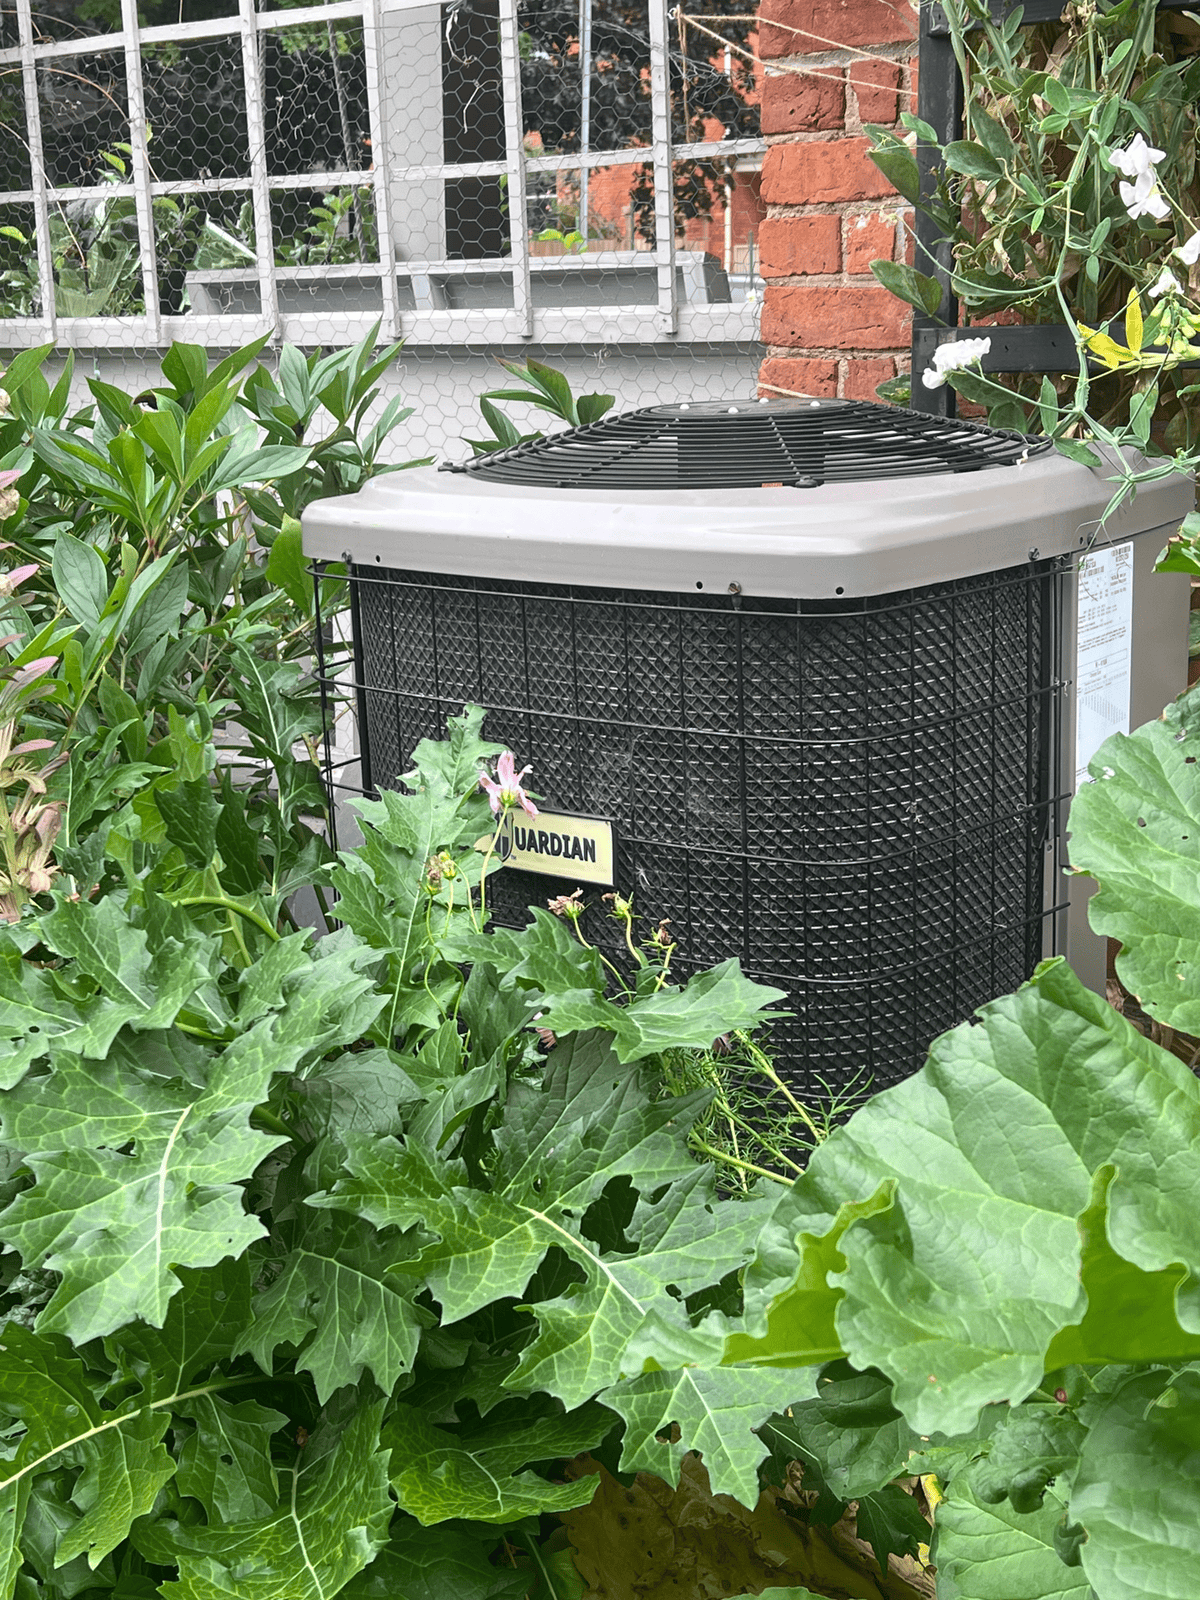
851, 797
785, 444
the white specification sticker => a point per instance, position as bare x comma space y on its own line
1102, 661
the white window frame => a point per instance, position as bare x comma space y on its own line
668, 320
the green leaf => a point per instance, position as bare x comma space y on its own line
123, 1460
226, 1462
1136, 828
148, 986
1074, 450
438, 1475
190, 814
1137, 1491
287, 566
851, 1429
899, 167
994, 137
892, 1523
80, 578
359, 1092
434, 1564
1034, 1444
155, 604
361, 1318
685, 1240
591, 407
714, 1002
332, 1518
907, 284
200, 1329
1058, 95
957, 1290
716, 1412
972, 160
1131, 1314
561, 1142
115, 1220
121, 711
995, 1553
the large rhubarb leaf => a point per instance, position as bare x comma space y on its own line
332, 1517
1137, 1489
1136, 828
997, 1152
991, 1552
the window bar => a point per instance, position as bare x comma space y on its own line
585, 111
260, 187
514, 143
41, 205
144, 208
664, 187
372, 26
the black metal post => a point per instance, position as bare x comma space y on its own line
940, 104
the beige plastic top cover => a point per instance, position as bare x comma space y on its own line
834, 538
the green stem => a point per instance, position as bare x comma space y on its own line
736, 1161
226, 904
765, 1066
275, 1124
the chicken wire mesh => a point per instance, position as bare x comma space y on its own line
574, 180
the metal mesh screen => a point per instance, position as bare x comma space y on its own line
574, 180
852, 798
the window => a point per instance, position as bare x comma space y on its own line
475, 173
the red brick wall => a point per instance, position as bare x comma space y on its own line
829, 327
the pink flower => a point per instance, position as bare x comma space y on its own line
504, 791
12, 580
9, 476
33, 670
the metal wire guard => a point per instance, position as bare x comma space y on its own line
788, 443
851, 797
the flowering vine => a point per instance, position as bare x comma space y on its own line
1072, 198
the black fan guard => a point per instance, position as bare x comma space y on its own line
752, 445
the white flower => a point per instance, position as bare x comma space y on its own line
949, 357
1189, 253
1142, 199
1137, 158
5, 402
1167, 283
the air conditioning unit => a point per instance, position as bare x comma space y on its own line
822, 671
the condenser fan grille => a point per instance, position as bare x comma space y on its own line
790, 443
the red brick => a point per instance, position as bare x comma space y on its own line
876, 85
821, 169
797, 376
794, 102
809, 25
864, 375
869, 237
862, 317
792, 246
